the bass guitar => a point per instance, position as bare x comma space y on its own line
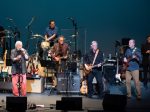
130, 58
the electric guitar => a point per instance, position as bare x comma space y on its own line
88, 67
130, 58
57, 58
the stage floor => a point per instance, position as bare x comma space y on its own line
88, 104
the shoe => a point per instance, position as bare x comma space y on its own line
128, 96
139, 97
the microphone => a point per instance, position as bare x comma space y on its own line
10, 19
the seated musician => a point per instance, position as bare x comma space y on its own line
50, 35
59, 54
93, 63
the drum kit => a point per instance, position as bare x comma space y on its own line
35, 59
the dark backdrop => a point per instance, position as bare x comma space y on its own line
104, 20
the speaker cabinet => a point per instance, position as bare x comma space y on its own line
16, 104
114, 102
69, 82
69, 103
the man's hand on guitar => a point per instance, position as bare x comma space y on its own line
99, 65
148, 51
134, 57
125, 59
88, 67
57, 58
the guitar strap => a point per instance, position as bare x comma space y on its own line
97, 51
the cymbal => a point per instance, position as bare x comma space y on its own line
37, 36
72, 36
8, 36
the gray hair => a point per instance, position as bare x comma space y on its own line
94, 42
18, 43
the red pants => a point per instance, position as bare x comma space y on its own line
22, 83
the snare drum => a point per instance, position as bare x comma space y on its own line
45, 45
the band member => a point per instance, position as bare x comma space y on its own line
146, 60
94, 58
59, 53
131, 62
19, 56
51, 33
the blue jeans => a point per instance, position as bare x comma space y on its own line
98, 75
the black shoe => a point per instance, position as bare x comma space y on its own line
138, 97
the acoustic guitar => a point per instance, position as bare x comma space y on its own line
5, 68
84, 88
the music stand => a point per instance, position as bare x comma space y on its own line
49, 64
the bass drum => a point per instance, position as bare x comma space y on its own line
45, 45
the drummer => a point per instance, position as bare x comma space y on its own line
51, 33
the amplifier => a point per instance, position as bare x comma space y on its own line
68, 82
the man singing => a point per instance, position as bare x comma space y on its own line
19, 56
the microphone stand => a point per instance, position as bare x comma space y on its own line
28, 27
75, 32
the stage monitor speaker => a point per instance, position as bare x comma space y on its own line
16, 104
69, 103
68, 82
114, 102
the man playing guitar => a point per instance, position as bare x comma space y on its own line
59, 54
94, 58
132, 57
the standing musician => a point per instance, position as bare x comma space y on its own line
51, 34
146, 60
59, 53
93, 63
131, 61
19, 56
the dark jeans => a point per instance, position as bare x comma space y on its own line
98, 75
146, 70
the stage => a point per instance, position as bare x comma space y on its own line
88, 104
